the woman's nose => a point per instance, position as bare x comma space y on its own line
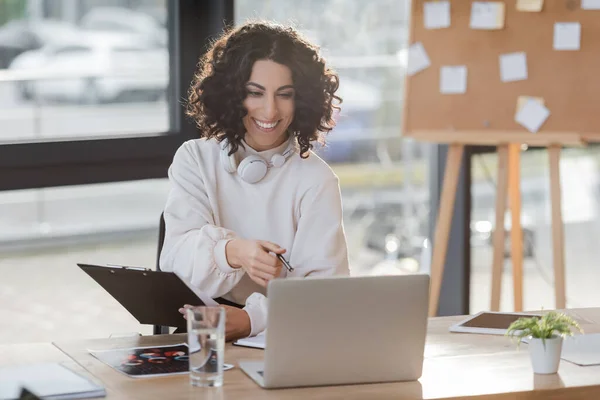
270, 108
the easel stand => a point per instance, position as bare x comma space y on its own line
508, 186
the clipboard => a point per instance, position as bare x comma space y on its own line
152, 297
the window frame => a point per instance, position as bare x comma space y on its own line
191, 25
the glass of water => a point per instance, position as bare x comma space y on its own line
206, 342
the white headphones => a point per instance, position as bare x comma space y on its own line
253, 168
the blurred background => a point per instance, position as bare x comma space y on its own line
90, 115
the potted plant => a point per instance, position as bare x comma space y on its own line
545, 336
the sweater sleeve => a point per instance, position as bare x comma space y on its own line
319, 247
194, 247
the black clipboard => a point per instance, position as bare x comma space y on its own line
152, 297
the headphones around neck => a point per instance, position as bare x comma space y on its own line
253, 168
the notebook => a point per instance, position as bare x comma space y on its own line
257, 342
47, 380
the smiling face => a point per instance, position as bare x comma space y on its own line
270, 105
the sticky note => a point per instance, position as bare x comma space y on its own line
530, 5
524, 99
590, 4
532, 115
418, 59
487, 15
567, 36
453, 79
513, 67
436, 14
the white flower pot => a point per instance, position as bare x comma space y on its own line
545, 358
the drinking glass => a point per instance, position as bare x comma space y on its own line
206, 342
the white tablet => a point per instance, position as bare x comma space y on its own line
489, 322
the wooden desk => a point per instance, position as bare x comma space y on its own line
457, 366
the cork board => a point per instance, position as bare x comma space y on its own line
568, 81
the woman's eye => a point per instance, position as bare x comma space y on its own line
287, 95
254, 94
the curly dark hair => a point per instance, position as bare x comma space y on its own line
216, 96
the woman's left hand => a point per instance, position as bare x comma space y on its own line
237, 322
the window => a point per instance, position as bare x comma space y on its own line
84, 181
580, 173
382, 175
71, 86
122, 119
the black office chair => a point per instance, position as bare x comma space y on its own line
158, 329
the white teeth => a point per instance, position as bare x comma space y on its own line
264, 125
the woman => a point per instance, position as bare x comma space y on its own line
251, 188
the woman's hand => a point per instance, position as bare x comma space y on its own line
255, 258
237, 322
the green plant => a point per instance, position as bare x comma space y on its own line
550, 324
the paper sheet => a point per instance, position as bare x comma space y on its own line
513, 67
453, 79
532, 115
590, 4
487, 15
418, 59
436, 14
530, 5
567, 36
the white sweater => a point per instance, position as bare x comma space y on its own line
297, 206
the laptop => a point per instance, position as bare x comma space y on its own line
343, 330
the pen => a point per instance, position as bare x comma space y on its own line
287, 265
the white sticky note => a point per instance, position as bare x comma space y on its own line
567, 36
513, 67
522, 100
487, 15
532, 115
530, 5
436, 14
453, 79
590, 4
418, 59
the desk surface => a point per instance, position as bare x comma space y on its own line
456, 366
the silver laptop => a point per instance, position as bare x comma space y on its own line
343, 330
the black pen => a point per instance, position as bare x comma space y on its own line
287, 265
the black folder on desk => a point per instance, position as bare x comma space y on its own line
152, 297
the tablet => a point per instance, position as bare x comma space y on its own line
489, 322
152, 297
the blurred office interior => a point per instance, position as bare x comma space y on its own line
91, 114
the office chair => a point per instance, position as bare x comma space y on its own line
158, 329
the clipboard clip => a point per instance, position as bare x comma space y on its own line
126, 267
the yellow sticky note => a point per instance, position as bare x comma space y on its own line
487, 15
524, 99
530, 5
